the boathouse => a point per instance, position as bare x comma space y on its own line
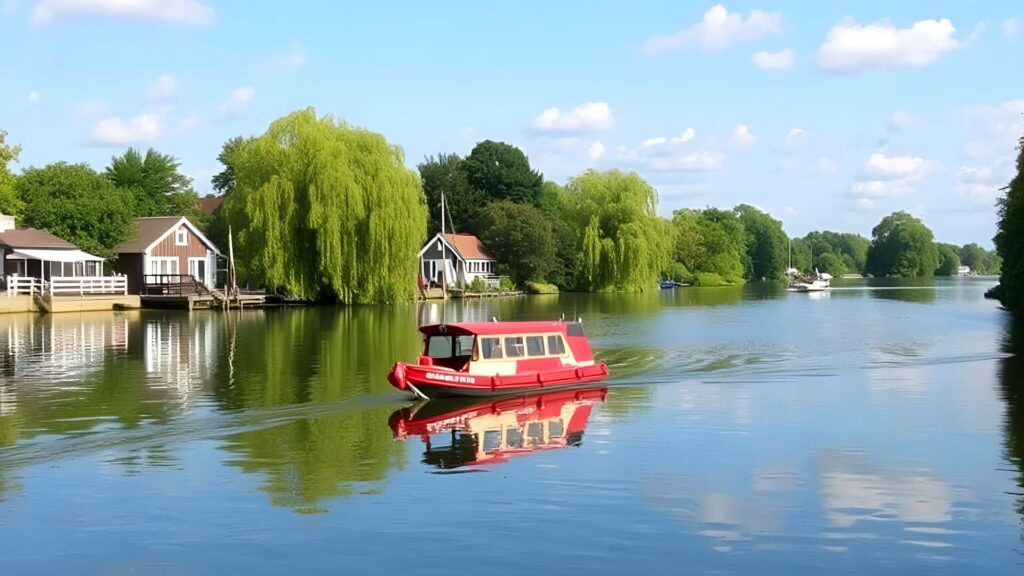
456, 260
167, 250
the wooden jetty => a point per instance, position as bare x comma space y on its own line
185, 292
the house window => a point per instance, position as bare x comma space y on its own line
181, 237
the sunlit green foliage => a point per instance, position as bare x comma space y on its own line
77, 204
766, 243
949, 260
902, 245
1010, 239
623, 243
710, 241
10, 204
326, 210
850, 249
155, 182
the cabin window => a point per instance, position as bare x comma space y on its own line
464, 345
556, 346
514, 437
491, 348
534, 345
535, 431
556, 428
181, 237
439, 347
492, 440
514, 346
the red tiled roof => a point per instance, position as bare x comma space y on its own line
33, 238
469, 247
210, 205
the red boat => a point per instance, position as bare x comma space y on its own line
492, 431
491, 358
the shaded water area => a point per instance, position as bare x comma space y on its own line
876, 429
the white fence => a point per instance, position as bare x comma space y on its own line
68, 285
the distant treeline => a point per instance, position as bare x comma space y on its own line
324, 210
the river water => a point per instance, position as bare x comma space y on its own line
876, 429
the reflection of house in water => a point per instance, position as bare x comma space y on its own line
62, 345
180, 352
493, 430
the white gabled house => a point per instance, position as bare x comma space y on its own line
456, 260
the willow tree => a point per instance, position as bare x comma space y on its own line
327, 211
623, 244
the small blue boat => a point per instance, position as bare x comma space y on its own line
668, 284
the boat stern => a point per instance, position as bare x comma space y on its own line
397, 376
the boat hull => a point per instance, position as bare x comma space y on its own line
433, 382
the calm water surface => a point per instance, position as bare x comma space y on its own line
872, 430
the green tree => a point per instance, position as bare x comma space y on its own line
77, 204
447, 173
766, 243
9, 202
852, 249
521, 239
502, 172
949, 261
973, 256
710, 241
902, 245
325, 210
1010, 239
224, 181
553, 202
831, 263
623, 244
155, 182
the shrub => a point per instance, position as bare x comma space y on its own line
478, 285
505, 283
541, 288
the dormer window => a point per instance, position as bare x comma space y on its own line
181, 237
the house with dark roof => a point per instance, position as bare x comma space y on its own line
210, 205
456, 260
166, 249
32, 253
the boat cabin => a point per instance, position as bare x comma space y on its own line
489, 348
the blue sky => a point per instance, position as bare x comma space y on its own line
828, 116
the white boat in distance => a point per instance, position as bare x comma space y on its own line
818, 283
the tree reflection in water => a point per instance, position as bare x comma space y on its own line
282, 358
1011, 384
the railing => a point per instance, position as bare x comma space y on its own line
172, 285
17, 285
67, 285
84, 285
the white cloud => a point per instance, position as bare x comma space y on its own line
624, 153
741, 135
595, 150
587, 117
190, 12
718, 30
163, 87
694, 162
865, 203
885, 176
984, 182
1012, 26
977, 32
789, 211
993, 131
238, 101
850, 46
683, 138
780, 60
33, 96
189, 123
295, 58
882, 167
795, 136
117, 132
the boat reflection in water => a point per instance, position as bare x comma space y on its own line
461, 432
